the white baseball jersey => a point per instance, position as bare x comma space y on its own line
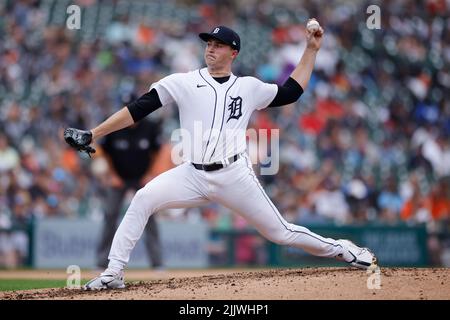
214, 115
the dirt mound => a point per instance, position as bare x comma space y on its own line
273, 284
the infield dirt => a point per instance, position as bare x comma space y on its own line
267, 284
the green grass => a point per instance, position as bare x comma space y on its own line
29, 284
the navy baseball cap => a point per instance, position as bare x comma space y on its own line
225, 35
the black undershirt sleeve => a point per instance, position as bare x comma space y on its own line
144, 105
288, 93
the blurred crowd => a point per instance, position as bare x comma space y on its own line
369, 140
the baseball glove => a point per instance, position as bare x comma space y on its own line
79, 139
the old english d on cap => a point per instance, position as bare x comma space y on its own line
225, 35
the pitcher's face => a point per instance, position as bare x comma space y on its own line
218, 54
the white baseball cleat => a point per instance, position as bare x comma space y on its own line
106, 280
363, 258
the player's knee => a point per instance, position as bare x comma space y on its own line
142, 202
139, 196
280, 238
282, 241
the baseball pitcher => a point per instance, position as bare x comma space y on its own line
214, 108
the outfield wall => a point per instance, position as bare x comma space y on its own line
58, 243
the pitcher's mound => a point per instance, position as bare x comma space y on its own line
274, 284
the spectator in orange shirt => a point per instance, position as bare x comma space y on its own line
439, 200
435, 206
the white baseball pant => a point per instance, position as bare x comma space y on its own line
235, 187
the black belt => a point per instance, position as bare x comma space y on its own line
216, 165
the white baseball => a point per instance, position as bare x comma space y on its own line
313, 25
